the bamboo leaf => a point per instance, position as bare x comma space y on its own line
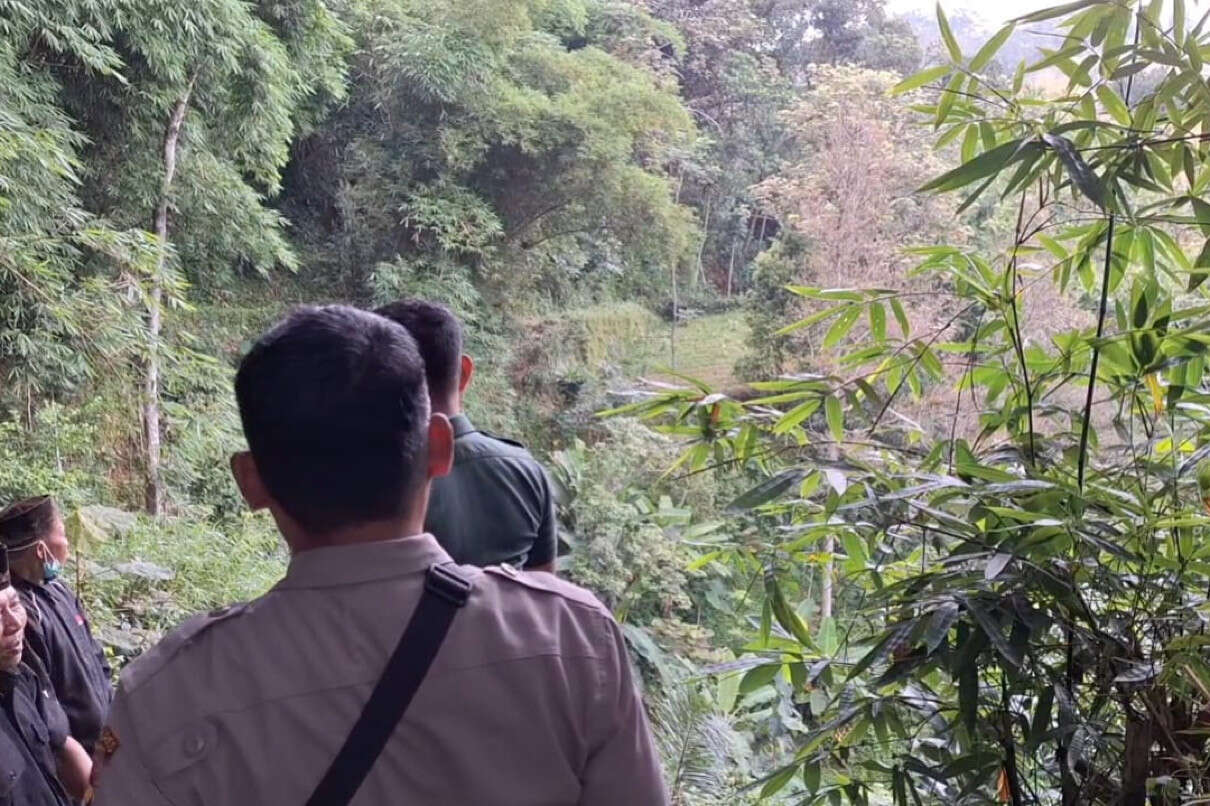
986, 164
905, 326
939, 625
841, 327
992, 630
918, 80
1079, 171
778, 781
767, 490
947, 35
786, 615
835, 417
993, 45
812, 773
995, 565
878, 321
1114, 104
1057, 11
791, 419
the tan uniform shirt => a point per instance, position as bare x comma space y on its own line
529, 702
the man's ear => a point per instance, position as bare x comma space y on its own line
247, 478
467, 370
441, 446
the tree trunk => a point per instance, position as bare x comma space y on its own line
699, 275
731, 266
1136, 762
680, 184
154, 493
825, 591
675, 314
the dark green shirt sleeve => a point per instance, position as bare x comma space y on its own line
546, 545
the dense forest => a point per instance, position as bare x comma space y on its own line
866, 351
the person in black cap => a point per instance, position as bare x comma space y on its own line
40, 765
58, 634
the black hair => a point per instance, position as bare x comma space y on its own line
335, 410
439, 335
23, 523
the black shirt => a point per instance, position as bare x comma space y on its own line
58, 634
496, 505
33, 730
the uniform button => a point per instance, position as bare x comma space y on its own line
195, 745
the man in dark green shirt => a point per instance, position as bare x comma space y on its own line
497, 505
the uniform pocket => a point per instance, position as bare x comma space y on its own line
12, 766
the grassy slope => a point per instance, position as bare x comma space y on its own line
706, 348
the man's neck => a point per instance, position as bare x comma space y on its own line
450, 407
375, 532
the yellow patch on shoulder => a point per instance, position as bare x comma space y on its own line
109, 743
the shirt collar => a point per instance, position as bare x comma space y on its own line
364, 562
462, 425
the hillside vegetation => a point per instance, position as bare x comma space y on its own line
869, 364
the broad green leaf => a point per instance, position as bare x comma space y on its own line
811, 776
828, 640
759, 677
855, 548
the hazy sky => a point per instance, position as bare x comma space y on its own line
993, 10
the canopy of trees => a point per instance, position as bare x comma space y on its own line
944, 544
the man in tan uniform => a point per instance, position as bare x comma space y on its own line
530, 700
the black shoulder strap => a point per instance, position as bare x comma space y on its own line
445, 591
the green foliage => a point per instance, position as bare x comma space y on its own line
475, 134
141, 582
1020, 597
707, 756
55, 455
769, 305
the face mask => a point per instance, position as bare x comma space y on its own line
51, 568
